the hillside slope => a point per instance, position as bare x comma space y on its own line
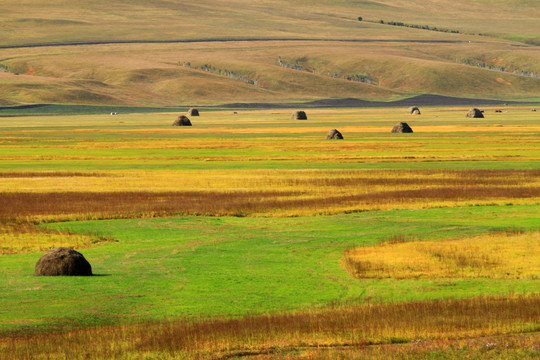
319, 50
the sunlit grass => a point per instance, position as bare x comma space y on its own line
498, 255
17, 238
418, 323
520, 346
264, 246
253, 193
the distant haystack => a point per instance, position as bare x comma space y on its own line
402, 128
182, 120
193, 112
334, 135
413, 110
63, 261
475, 113
299, 115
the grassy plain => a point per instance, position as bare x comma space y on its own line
321, 44
263, 163
235, 231
500, 255
248, 235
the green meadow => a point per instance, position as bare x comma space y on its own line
222, 266
249, 215
199, 266
249, 235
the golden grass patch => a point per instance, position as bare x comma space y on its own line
500, 255
80, 195
358, 325
26, 243
16, 238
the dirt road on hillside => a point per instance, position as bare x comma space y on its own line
188, 41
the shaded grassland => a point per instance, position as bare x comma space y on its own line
236, 231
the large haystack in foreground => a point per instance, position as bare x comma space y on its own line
299, 115
334, 134
413, 110
475, 113
402, 127
193, 112
63, 261
182, 120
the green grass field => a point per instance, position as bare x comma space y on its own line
248, 235
251, 214
192, 267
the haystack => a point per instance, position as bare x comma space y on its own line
63, 261
402, 128
413, 110
334, 134
182, 120
193, 112
475, 113
299, 115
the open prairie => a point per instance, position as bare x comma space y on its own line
165, 53
249, 235
245, 235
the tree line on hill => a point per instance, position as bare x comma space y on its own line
363, 78
422, 27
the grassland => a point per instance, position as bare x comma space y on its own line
330, 332
39, 21
167, 54
225, 72
503, 255
280, 167
248, 235
230, 238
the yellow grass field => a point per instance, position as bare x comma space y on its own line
498, 255
321, 44
21, 238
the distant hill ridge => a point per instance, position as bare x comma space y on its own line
420, 100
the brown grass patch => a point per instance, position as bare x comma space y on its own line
134, 204
521, 346
360, 325
36, 174
237, 203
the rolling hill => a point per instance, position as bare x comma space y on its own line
165, 52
